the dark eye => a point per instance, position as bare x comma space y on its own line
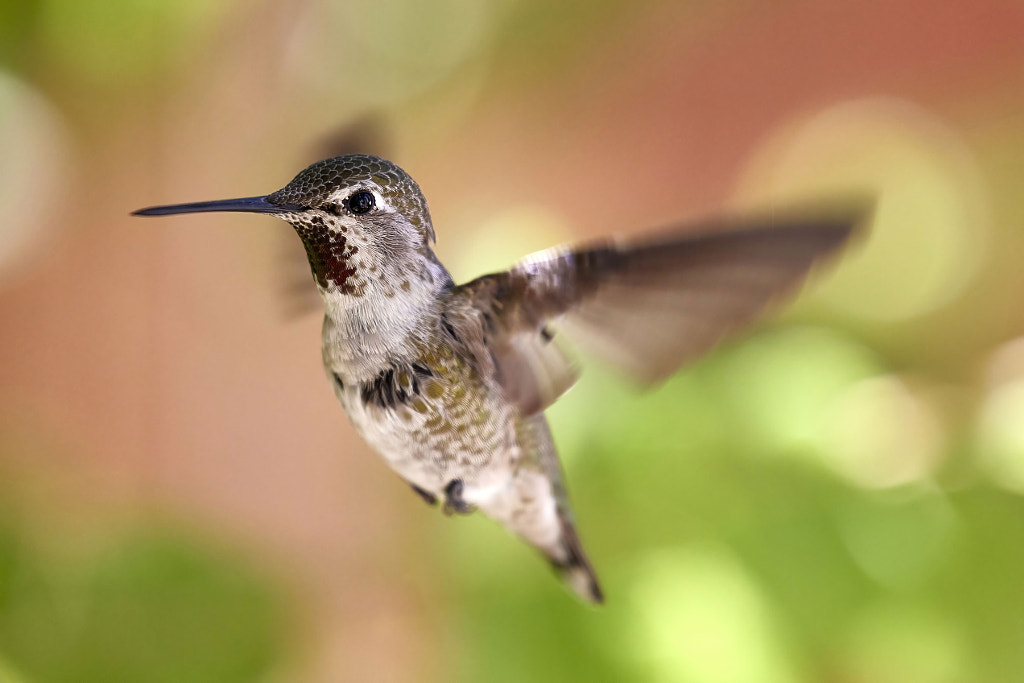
361, 202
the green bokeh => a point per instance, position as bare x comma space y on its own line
713, 542
123, 43
733, 539
154, 605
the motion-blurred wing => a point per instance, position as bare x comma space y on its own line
368, 134
646, 307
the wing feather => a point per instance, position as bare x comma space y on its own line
648, 306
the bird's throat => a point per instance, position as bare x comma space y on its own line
330, 257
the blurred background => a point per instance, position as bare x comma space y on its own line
836, 497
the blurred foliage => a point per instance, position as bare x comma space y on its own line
115, 44
835, 499
153, 605
733, 548
17, 20
121, 42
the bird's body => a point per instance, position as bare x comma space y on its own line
449, 383
414, 377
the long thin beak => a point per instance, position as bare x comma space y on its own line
247, 204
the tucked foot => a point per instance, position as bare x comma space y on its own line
453, 500
427, 496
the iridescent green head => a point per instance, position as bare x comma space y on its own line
362, 219
330, 185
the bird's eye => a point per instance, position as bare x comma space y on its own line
361, 202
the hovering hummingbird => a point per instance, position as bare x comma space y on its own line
449, 382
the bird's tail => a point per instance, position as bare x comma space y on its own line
575, 569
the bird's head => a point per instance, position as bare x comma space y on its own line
363, 221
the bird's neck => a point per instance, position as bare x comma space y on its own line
386, 321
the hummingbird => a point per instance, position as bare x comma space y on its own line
449, 383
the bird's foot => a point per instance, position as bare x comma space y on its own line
453, 500
427, 496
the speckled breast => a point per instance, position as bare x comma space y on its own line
434, 420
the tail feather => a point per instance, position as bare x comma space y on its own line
575, 569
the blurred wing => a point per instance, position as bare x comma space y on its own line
646, 307
368, 134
